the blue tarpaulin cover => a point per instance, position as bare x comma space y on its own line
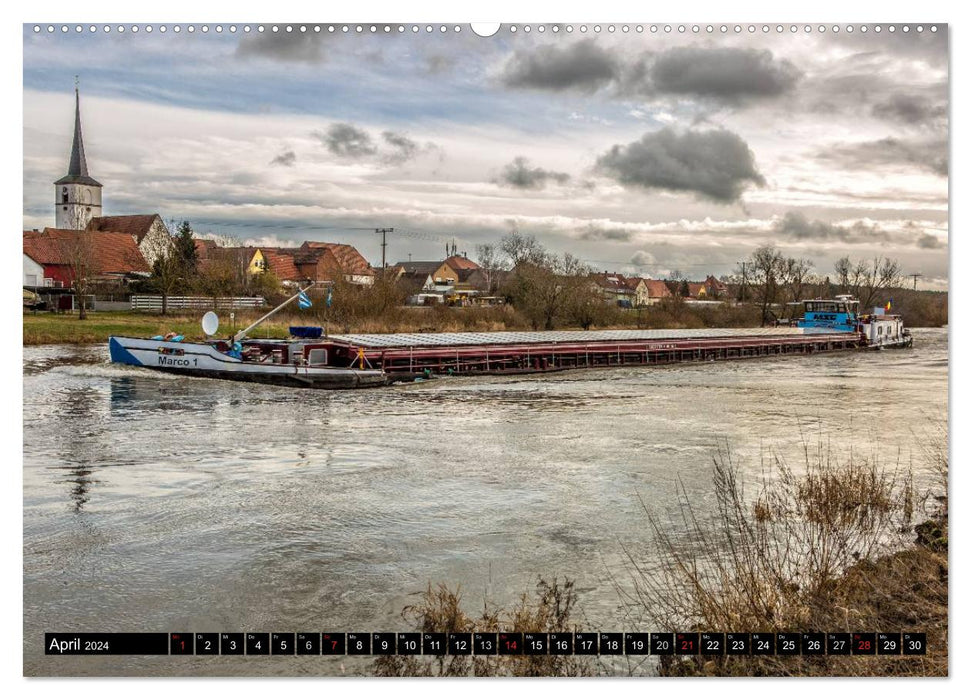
306, 331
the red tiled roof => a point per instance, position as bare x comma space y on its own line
611, 281
696, 288
137, 225
460, 262
350, 261
657, 289
281, 264
204, 246
716, 284
110, 251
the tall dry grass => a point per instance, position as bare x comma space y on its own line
829, 547
551, 607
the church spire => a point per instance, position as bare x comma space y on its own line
77, 171
79, 166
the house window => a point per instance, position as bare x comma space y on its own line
64, 196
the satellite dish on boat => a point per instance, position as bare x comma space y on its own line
210, 323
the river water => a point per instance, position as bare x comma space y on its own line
158, 503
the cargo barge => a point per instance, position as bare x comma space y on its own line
311, 358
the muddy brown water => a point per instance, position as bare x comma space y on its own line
159, 503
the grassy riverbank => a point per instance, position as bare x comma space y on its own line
55, 328
50, 328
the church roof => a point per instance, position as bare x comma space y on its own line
137, 225
77, 171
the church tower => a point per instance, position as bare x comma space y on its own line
77, 195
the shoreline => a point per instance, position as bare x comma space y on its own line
48, 328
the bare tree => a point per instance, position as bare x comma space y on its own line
168, 268
795, 275
843, 269
521, 248
764, 270
865, 279
491, 261
77, 250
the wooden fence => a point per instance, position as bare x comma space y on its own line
153, 302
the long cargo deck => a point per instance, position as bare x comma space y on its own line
525, 352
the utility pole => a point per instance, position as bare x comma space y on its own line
384, 244
744, 279
915, 275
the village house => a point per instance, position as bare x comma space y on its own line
715, 289
312, 261
333, 260
33, 272
148, 230
656, 290
455, 280
104, 257
615, 288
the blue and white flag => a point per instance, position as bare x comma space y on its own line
329, 295
303, 301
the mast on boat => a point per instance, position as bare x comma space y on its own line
242, 334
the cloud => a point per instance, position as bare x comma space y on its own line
296, 47
582, 66
347, 141
716, 165
287, 158
924, 154
929, 242
438, 64
909, 109
796, 225
520, 175
729, 74
403, 148
595, 232
642, 258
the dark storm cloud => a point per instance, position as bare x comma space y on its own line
929, 242
909, 109
298, 47
716, 165
287, 158
582, 66
796, 225
729, 74
724, 74
521, 175
347, 141
924, 154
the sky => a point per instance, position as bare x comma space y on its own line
639, 152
